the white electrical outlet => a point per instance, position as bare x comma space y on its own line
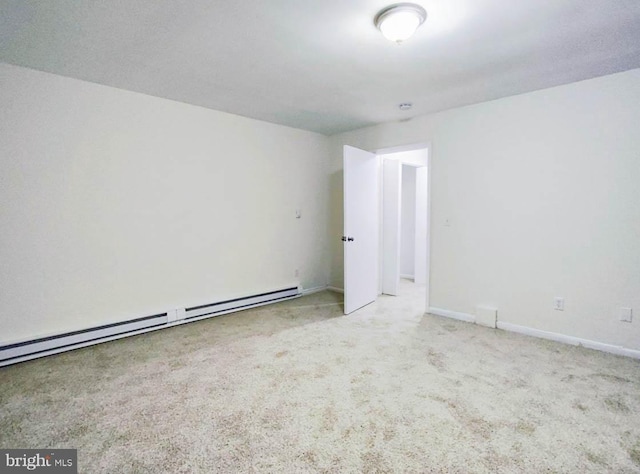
558, 303
625, 314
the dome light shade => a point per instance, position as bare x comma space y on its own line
400, 21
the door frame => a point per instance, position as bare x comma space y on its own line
427, 162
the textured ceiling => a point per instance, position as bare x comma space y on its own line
321, 65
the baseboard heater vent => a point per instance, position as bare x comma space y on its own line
27, 350
221, 307
12, 353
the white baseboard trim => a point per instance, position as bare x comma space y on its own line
574, 341
336, 289
552, 336
310, 291
468, 318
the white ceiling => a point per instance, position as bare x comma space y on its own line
321, 65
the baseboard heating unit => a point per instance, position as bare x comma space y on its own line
44, 346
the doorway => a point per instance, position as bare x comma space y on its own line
405, 218
373, 221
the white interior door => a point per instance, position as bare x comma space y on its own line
391, 217
360, 239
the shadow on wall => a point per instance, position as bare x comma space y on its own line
336, 221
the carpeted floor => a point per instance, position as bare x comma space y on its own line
297, 387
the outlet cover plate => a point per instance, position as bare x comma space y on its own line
625, 314
558, 303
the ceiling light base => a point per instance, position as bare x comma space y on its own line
400, 21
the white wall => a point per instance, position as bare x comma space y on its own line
118, 205
408, 221
542, 192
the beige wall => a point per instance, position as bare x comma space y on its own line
118, 205
543, 194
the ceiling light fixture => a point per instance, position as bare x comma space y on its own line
400, 21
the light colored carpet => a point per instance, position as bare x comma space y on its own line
297, 387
